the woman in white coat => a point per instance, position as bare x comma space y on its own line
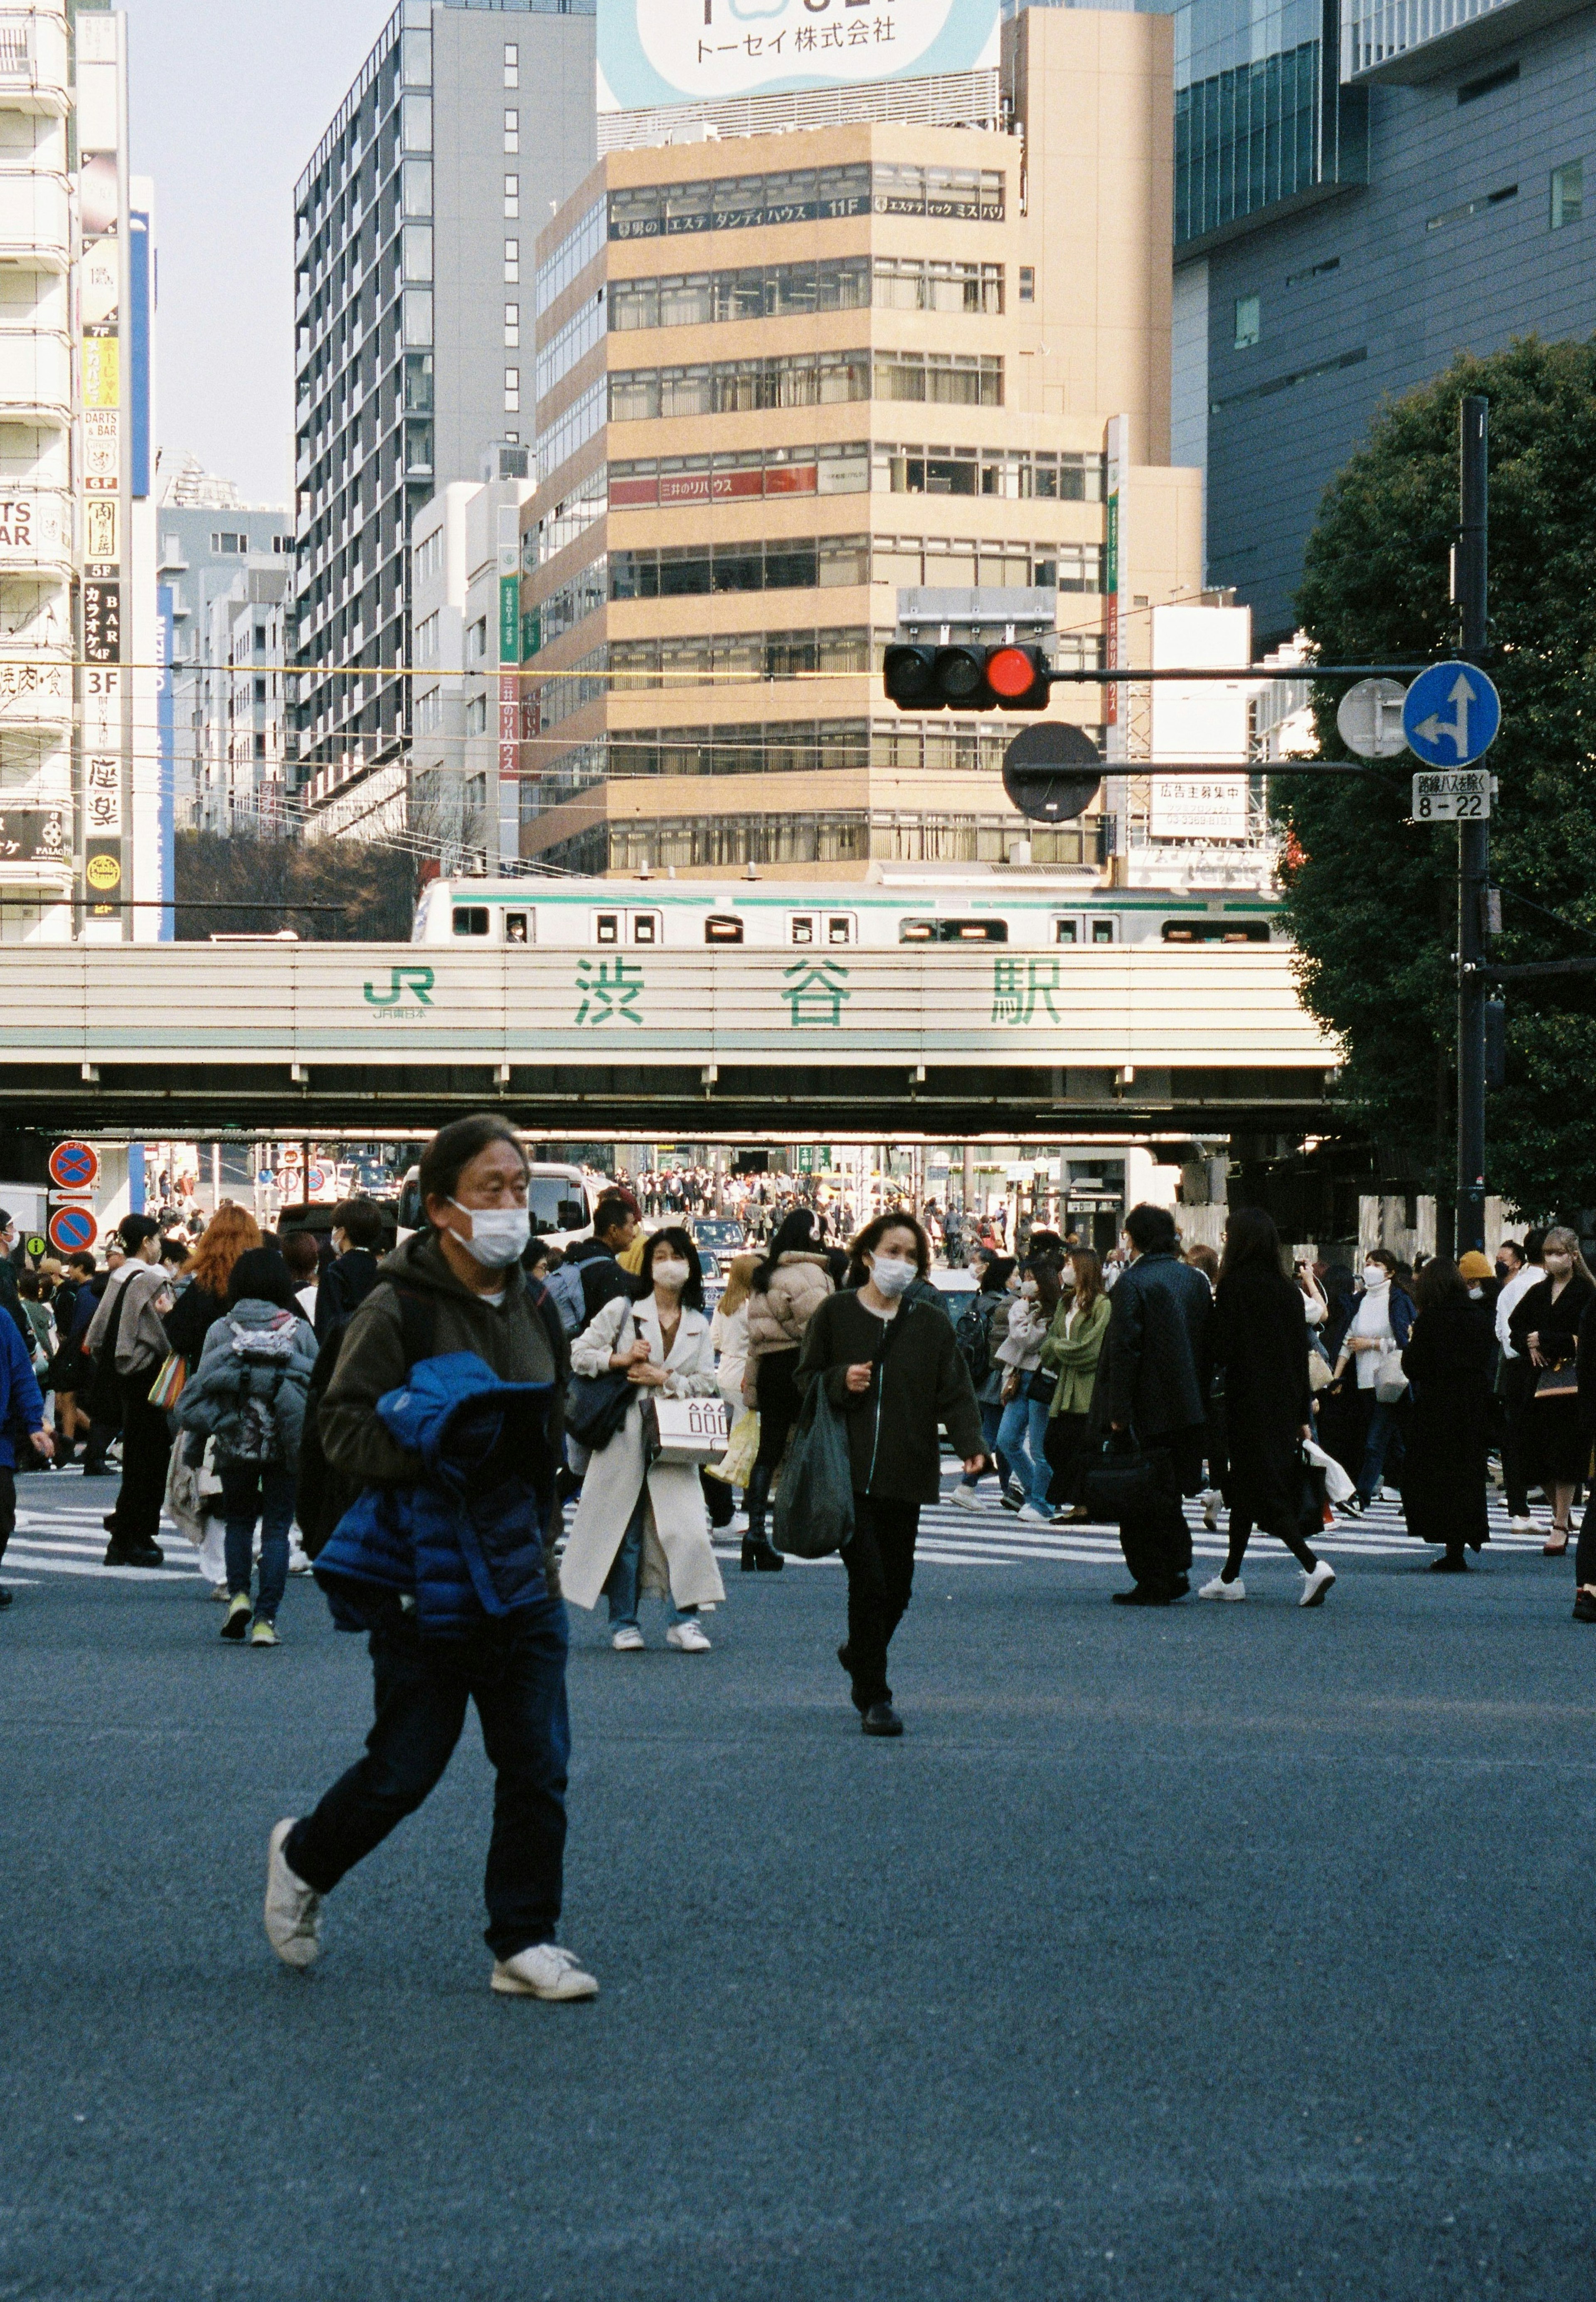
642, 1525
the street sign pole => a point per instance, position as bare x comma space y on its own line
1474, 839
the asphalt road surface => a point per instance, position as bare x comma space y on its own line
1226, 1952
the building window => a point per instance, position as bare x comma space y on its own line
418, 315
476, 716
416, 123
418, 251
512, 195
512, 391
1246, 322
512, 327
1567, 193
1028, 283
417, 187
512, 129
512, 63
512, 263
477, 641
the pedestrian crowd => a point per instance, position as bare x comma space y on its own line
414, 1428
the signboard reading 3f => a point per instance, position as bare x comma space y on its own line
657, 52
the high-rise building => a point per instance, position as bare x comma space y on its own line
785, 370
1361, 193
229, 569
415, 223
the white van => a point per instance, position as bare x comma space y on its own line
560, 1201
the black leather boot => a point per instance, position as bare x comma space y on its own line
760, 1555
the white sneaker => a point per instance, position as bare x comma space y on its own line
1211, 1500
688, 1638
1521, 1527
220, 1591
628, 1640
966, 1497
1036, 1517
1390, 1494
1315, 1585
297, 1562
293, 1909
545, 1970
1219, 1588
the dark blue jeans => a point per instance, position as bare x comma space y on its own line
263, 1490
514, 1672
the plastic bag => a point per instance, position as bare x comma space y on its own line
814, 1510
735, 1467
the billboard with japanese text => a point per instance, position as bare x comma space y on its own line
661, 52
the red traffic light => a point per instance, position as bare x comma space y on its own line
967, 678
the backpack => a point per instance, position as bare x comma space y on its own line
564, 1290
262, 1354
971, 1335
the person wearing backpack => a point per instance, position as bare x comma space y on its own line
978, 1330
248, 1394
404, 1563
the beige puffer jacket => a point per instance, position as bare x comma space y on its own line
776, 1319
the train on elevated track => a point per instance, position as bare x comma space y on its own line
1032, 909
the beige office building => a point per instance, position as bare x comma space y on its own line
781, 376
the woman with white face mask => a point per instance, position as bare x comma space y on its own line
1544, 1325
642, 1525
1381, 1323
894, 1370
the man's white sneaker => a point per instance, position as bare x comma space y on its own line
1315, 1585
1219, 1588
1035, 1517
966, 1497
1211, 1500
545, 1970
293, 1909
688, 1638
628, 1640
1521, 1527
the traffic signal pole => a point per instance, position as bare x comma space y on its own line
1474, 839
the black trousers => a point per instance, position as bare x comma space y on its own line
1585, 1549
1516, 1387
880, 1564
8, 1506
1156, 1541
514, 1672
1063, 1444
780, 1404
145, 1451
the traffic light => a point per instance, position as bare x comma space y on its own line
966, 678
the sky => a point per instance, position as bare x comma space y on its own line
228, 101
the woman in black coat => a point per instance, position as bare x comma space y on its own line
1261, 1345
1544, 1325
1448, 1362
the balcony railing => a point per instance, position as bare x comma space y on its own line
36, 221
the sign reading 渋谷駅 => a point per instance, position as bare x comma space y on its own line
661, 52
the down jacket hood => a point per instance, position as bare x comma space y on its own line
466, 1540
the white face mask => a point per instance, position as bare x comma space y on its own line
894, 1274
498, 1235
673, 1275
1376, 1274
1028, 1287
1556, 1264
1475, 1292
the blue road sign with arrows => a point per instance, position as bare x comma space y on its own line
1451, 715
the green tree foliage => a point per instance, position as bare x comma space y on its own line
364, 895
1372, 897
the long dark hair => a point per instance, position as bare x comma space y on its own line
693, 1294
798, 1234
1089, 1277
1252, 1243
870, 1237
1438, 1283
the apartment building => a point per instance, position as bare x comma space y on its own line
415, 226
781, 376
465, 611
228, 569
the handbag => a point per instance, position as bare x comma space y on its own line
735, 1467
691, 1429
1124, 1481
814, 1506
596, 1407
1558, 1381
167, 1387
1310, 1507
1390, 1381
1321, 1373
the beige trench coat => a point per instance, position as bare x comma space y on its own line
676, 1553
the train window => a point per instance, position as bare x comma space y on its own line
1066, 931
1104, 930
519, 927
953, 931
720, 927
839, 927
800, 927
645, 926
1215, 931
607, 927
471, 919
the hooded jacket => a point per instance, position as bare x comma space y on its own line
249, 1389
778, 1318
465, 1539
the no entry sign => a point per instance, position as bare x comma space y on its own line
73, 1229
74, 1166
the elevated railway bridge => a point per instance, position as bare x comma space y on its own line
946, 1041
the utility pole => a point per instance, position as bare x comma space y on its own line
1474, 839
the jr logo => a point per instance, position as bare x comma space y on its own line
417, 981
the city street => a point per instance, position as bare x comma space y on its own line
1224, 1952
